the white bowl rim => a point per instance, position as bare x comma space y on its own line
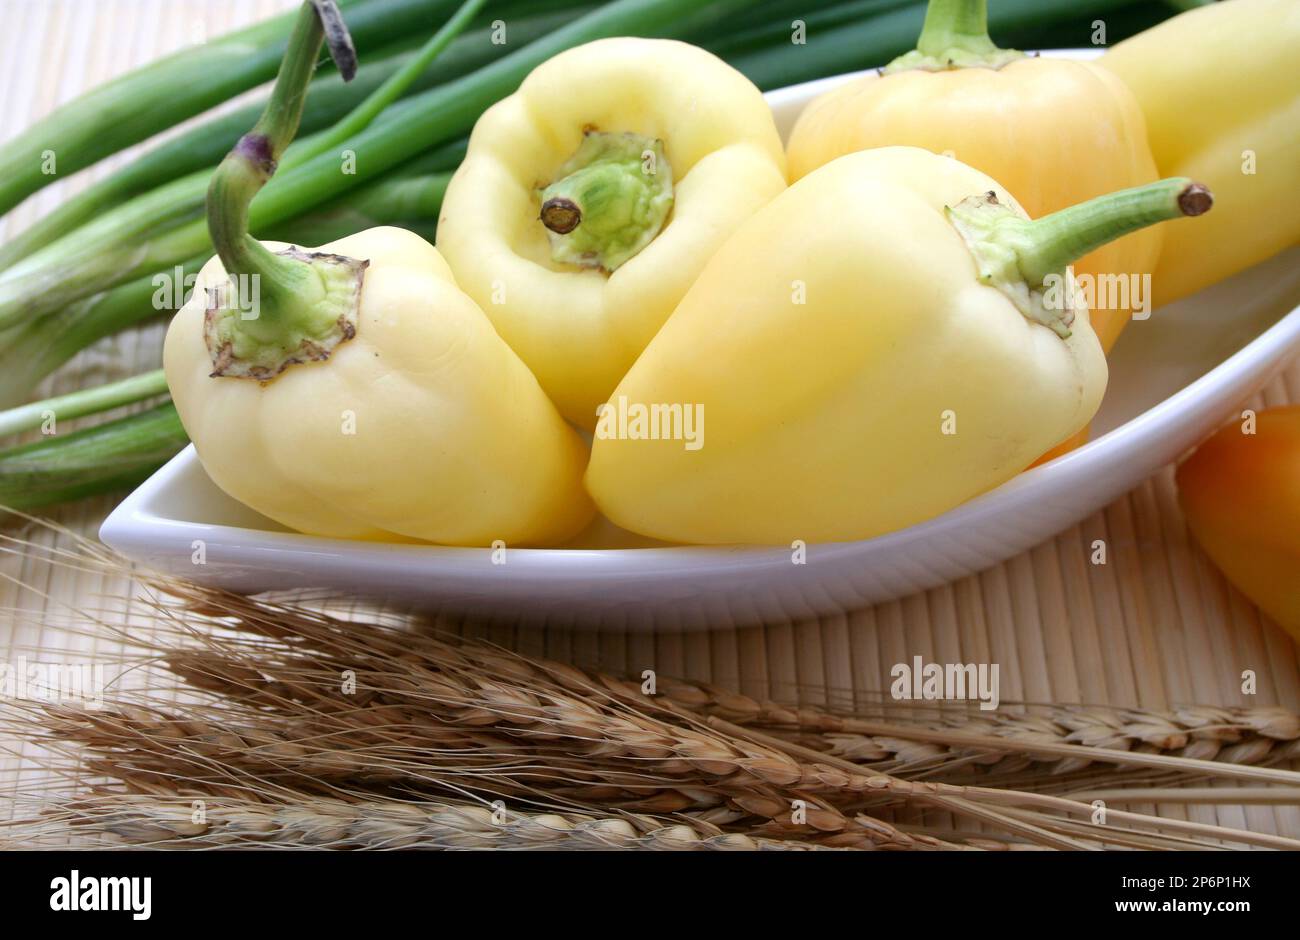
120, 528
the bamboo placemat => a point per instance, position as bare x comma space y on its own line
1155, 626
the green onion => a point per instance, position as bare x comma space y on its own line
874, 41
359, 118
329, 100
450, 110
109, 456
777, 30
1079, 32
34, 286
408, 202
36, 348
143, 102
87, 402
109, 250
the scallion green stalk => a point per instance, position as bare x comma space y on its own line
141, 103
77, 404
408, 202
34, 349
328, 100
111, 250
109, 456
875, 40
34, 284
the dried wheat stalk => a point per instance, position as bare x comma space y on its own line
1064, 740
1060, 739
199, 821
551, 701
190, 744
1228, 735
1198, 732
465, 717
753, 771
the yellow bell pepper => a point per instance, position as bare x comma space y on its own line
1220, 88
887, 338
354, 390
1240, 492
1054, 132
590, 199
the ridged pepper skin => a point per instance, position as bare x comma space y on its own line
424, 425
1220, 88
1240, 493
828, 343
1054, 132
579, 329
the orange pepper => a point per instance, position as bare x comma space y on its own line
1240, 492
1078, 439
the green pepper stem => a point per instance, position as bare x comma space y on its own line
1018, 256
289, 295
290, 306
955, 35
611, 199
252, 162
953, 24
1055, 241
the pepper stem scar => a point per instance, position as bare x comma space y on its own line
1019, 256
287, 307
610, 200
955, 35
561, 215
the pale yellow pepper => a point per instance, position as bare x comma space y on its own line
875, 346
354, 390
688, 149
1220, 88
1055, 132
424, 424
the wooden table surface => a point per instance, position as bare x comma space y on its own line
1156, 626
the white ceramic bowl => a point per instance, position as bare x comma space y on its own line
1174, 378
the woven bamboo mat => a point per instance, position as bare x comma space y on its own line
1156, 626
